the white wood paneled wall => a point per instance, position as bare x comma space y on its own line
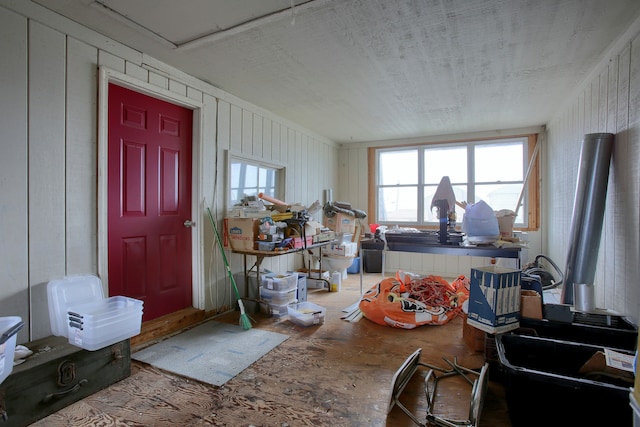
609, 101
48, 168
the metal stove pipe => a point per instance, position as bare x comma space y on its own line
587, 219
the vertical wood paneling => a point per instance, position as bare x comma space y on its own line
266, 139
300, 171
217, 288
291, 161
275, 142
256, 136
609, 103
235, 129
81, 154
47, 251
608, 237
284, 148
13, 169
59, 112
621, 149
631, 203
599, 112
247, 133
363, 181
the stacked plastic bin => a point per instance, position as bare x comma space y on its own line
79, 311
98, 324
9, 327
279, 290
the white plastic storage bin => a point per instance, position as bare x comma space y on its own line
279, 282
79, 311
306, 313
98, 324
9, 327
278, 297
280, 310
67, 292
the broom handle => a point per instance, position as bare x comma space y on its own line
224, 256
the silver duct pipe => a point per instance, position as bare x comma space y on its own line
587, 219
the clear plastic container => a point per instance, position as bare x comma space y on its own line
67, 292
98, 324
278, 297
279, 281
102, 323
306, 313
9, 326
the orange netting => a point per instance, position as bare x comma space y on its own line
411, 301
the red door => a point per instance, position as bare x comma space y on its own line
149, 199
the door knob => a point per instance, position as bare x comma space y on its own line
189, 224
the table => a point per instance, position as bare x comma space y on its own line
488, 251
261, 255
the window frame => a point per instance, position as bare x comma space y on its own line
280, 174
531, 197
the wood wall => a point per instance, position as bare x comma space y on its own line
49, 167
608, 101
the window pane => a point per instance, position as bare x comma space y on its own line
398, 168
249, 179
251, 176
398, 204
460, 191
499, 162
451, 162
500, 196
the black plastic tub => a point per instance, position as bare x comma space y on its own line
614, 332
543, 385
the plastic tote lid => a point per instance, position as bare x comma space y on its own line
68, 292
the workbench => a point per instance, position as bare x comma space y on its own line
261, 255
457, 249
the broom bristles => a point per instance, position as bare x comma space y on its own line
245, 321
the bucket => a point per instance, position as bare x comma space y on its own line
506, 218
336, 281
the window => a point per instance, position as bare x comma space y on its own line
249, 177
491, 170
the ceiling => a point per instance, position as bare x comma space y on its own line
367, 70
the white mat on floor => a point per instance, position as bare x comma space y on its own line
213, 352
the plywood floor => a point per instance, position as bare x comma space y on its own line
335, 374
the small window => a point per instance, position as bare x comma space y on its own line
250, 177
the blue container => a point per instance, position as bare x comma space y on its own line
355, 266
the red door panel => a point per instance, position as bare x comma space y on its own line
149, 200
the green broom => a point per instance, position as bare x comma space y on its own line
245, 322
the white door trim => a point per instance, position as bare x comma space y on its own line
105, 77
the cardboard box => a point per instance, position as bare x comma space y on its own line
241, 233
530, 304
473, 337
298, 242
341, 223
494, 299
